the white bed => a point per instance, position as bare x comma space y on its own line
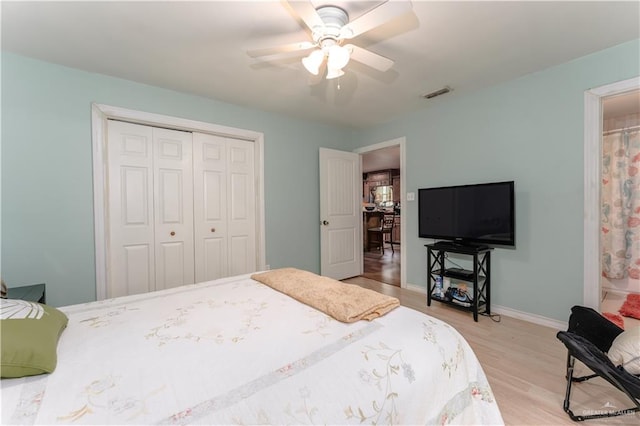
234, 351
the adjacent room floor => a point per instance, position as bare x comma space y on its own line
612, 301
383, 267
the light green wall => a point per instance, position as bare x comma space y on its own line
47, 196
529, 130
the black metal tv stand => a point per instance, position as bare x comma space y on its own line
480, 276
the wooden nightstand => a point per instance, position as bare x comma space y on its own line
32, 293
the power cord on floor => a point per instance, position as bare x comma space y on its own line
494, 317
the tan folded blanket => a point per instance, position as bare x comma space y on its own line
344, 302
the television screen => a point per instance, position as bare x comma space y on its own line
480, 213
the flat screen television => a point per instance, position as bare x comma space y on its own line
479, 214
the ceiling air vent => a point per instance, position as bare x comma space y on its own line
445, 89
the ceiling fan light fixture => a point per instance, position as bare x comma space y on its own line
330, 27
338, 57
334, 73
313, 61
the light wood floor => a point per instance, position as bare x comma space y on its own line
524, 363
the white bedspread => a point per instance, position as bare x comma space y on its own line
234, 351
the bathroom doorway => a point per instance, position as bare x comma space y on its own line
620, 277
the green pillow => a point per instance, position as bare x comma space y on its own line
29, 334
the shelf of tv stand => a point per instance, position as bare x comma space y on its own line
454, 247
480, 277
464, 276
457, 305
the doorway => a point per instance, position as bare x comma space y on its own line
383, 185
620, 278
593, 101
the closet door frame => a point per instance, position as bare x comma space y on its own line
100, 113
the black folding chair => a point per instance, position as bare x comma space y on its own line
588, 338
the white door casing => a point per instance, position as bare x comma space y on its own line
340, 214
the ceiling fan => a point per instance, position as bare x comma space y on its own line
330, 28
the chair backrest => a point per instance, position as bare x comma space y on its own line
388, 221
591, 325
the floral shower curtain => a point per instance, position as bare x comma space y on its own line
621, 205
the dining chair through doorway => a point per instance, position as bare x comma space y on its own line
382, 234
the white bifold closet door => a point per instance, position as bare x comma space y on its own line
181, 208
150, 208
224, 206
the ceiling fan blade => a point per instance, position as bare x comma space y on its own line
369, 58
374, 18
306, 11
286, 48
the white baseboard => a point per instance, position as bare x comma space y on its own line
526, 316
415, 287
621, 292
508, 312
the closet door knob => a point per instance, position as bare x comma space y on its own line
172, 233
213, 229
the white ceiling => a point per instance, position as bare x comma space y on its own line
200, 48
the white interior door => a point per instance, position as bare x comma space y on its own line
131, 257
173, 208
340, 214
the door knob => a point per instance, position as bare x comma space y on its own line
213, 229
172, 233
325, 223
